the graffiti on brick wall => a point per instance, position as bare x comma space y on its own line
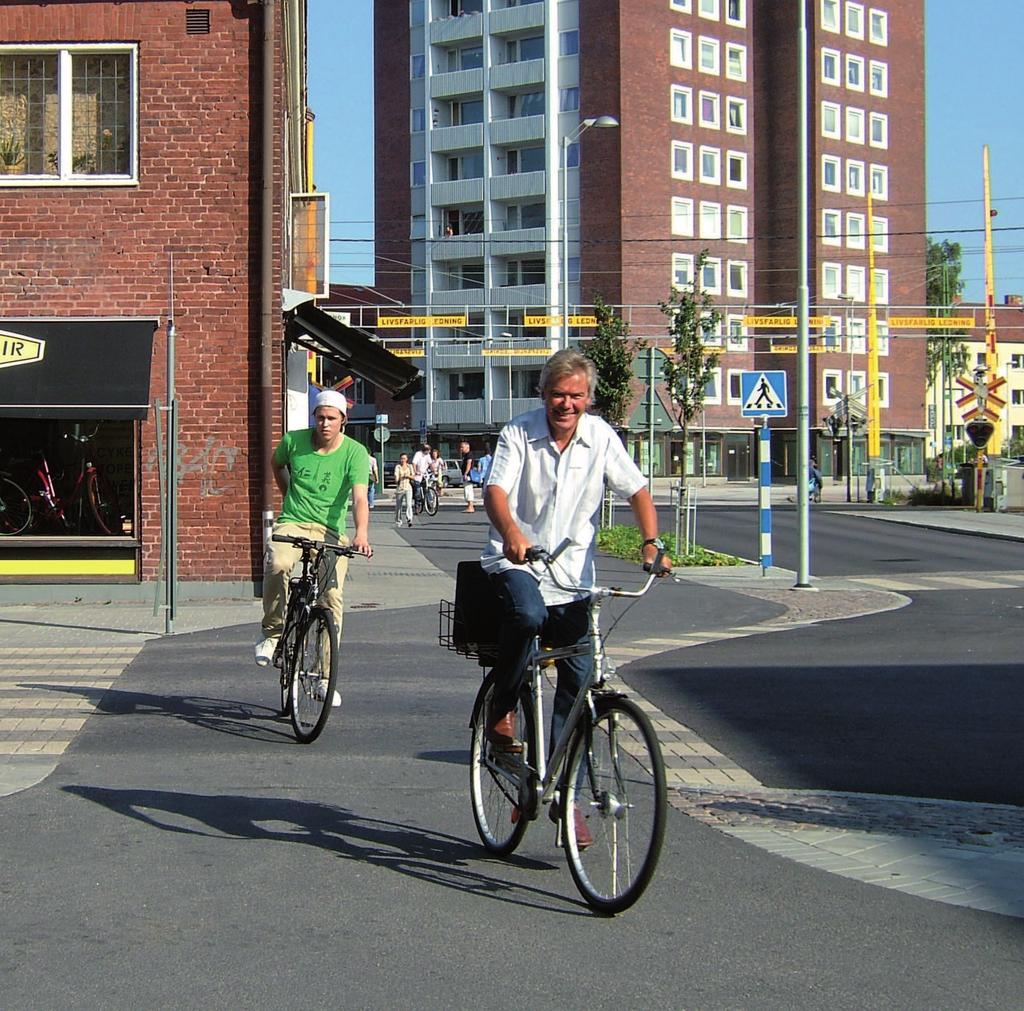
212, 463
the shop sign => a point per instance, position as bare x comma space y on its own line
17, 349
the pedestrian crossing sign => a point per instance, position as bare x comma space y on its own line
763, 394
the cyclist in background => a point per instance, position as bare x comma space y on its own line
403, 487
318, 470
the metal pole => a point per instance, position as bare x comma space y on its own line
171, 544
764, 495
650, 419
849, 450
565, 240
803, 341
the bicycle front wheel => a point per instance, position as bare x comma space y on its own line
103, 502
500, 782
430, 500
15, 508
613, 818
314, 675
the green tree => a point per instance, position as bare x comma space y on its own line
612, 350
690, 366
944, 287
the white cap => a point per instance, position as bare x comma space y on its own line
331, 398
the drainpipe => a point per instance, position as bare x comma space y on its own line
267, 272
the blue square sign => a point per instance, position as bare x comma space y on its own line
763, 394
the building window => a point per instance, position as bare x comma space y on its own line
419, 120
881, 284
524, 159
467, 166
468, 58
878, 129
708, 9
831, 280
711, 276
465, 385
883, 389
736, 223
710, 220
530, 103
879, 234
1017, 398
1017, 361
855, 178
855, 231
830, 173
522, 216
830, 226
735, 389
854, 126
713, 387
680, 49
709, 110
855, 279
572, 155
830, 113
680, 5
69, 113
736, 170
568, 43
417, 65
735, 61
855, 20
880, 182
682, 270
710, 165
737, 280
878, 78
416, 13
830, 15
736, 13
682, 104
831, 385
521, 50
878, 27
682, 160
830, 67
568, 99
466, 113
682, 216
855, 73
736, 115
708, 54
419, 173
737, 340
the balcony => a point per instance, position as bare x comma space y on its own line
457, 138
527, 295
505, 410
519, 242
459, 28
457, 83
518, 130
458, 247
457, 357
459, 298
514, 76
517, 19
458, 412
518, 186
457, 192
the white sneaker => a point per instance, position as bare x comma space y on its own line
321, 693
265, 650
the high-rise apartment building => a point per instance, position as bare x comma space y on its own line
488, 172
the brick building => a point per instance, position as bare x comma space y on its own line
493, 190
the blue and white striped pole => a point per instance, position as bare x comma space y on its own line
764, 495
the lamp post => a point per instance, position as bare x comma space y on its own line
603, 123
507, 336
848, 299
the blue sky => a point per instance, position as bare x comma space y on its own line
974, 90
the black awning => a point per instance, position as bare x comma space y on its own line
75, 368
315, 330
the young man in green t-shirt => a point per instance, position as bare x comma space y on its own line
318, 470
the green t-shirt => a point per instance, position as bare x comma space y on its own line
321, 483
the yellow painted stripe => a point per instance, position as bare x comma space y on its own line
67, 567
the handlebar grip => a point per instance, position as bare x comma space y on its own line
656, 567
535, 554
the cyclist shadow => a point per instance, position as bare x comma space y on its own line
225, 716
428, 856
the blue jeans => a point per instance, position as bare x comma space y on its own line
525, 616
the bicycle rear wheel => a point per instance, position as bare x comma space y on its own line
314, 675
501, 785
615, 780
106, 513
430, 500
15, 508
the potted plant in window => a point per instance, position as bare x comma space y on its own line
12, 153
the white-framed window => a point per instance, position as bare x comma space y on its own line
879, 234
855, 279
830, 334
830, 63
736, 334
830, 120
878, 129
736, 218
831, 227
572, 155
711, 335
883, 389
857, 381
417, 65
734, 389
830, 15
880, 278
855, 72
417, 120
708, 55
682, 216
684, 6
854, 177
736, 13
568, 99
709, 113
882, 336
880, 181
878, 27
710, 165
708, 9
831, 385
737, 278
854, 125
416, 13
710, 220
736, 115
736, 170
68, 113
856, 339
418, 173
878, 78
713, 387
831, 280
854, 20
680, 49
569, 42
682, 104
682, 159
855, 230
831, 173
735, 61
682, 270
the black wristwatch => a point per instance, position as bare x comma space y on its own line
656, 541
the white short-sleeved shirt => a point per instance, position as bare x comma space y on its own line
554, 496
420, 463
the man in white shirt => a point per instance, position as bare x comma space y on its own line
420, 466
545, 484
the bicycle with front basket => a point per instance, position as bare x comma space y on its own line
307, 652
606, 765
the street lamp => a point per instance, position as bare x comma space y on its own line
849, 300
506, 335
603, 123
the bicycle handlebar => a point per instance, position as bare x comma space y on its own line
308, 544
539, 554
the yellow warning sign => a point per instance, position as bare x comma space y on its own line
408, 352
522, 352
396, 322
786, 322
932, 322
557, 321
